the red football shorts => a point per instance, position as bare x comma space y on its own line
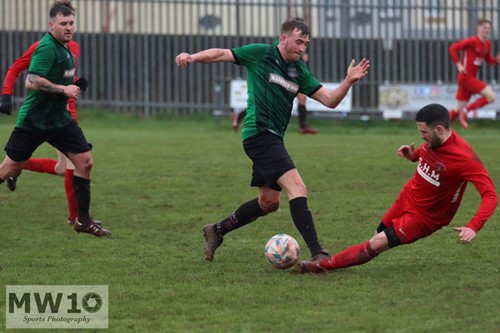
468, 85
408, 224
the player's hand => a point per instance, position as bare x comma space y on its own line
466, 234
6, 104
72, 91
359, 71
183, 59
497, 58
82, 83
461, 68
407, 151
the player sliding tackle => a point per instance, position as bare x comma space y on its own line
430, 199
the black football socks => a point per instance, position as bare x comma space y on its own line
82, 193
246, 213
302, 115
302, 218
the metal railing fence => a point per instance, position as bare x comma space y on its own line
128, 47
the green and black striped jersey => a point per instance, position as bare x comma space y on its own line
42, 110
272, 86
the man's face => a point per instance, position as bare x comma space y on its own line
294, 45
429, 134
62, 27
484, 30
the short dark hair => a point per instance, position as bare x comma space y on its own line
61, 7
434, 115
295, 23
483, 21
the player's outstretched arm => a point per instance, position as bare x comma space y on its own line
466, 234
333, 97
205, 57
359, 71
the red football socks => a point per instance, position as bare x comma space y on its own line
478, 103
354, 255
42, 165
70, 195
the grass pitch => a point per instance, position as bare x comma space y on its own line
156, 183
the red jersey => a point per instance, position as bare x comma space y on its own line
23, 63
440, 181
474, 52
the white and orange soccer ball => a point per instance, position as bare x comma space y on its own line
282, 251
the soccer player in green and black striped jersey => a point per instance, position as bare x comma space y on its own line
43, 116
275, 75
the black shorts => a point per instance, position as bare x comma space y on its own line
270, 159
23, 142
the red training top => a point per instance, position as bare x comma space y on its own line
474, 52
441, 178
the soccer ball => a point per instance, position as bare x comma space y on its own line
282, 251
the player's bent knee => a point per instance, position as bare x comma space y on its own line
269, 207
392, 238
84, 164
489, 94
60, 167
60, 170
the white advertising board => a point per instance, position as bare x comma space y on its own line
398, 101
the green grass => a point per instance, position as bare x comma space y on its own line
156, 183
